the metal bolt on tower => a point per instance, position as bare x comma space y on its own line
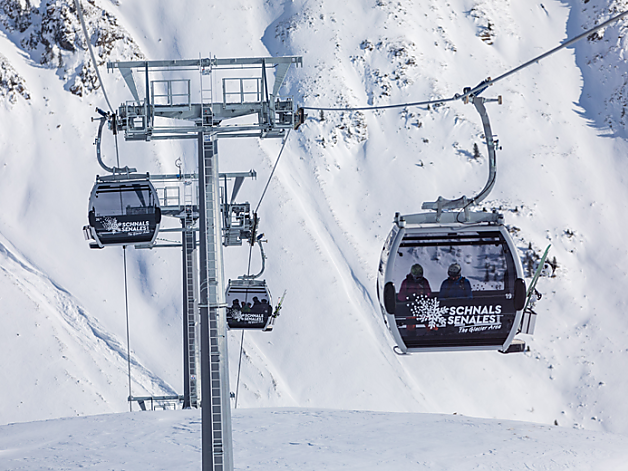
167, 111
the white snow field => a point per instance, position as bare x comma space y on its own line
561, 180
308, 439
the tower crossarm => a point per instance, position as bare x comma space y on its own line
229, 89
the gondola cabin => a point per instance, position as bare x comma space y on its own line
123, 212
249, 304
446, 286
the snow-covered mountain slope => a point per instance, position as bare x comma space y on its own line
308, 439
59, 360
330, 206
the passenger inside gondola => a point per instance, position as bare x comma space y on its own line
456, 285
414, 283
266, 308
249, 304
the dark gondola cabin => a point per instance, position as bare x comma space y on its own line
249, 305
451, 287
123, 212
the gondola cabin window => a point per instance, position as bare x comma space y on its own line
446, 261
122, 201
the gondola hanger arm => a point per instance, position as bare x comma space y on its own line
259, 241
104, 118
491, 143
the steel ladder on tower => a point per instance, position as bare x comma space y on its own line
191, 295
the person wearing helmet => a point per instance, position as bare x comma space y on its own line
415, 283
456, 285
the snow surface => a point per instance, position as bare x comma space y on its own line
561, 180
308, 439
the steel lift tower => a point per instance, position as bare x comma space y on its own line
166, 111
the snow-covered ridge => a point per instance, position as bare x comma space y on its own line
51, 34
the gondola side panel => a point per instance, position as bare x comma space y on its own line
381, 271
389, 269
249, 305
124, 213
125, 230
455, 290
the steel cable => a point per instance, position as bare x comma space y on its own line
79, 10
485, 84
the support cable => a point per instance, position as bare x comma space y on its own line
79, 10
239, 369
563, 45
128, 334
115, 138
248, 271
273, 170
112, 115
383, 107
485, 84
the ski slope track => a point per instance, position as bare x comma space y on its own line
561, 180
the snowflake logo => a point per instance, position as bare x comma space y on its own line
428, 311
111, 224
236, 314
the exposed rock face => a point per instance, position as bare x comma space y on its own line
52, 35
16, 15
12, 84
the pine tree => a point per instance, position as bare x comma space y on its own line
530, 266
